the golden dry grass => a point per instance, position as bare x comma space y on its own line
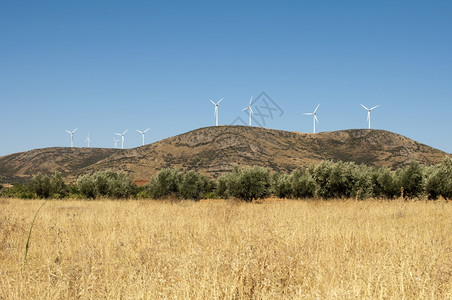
227, 250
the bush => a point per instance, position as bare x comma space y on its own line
44, 186
439, 180
281, 185
342, 180
193, 185
385, 183
107, 183
248, 183
411, 179
222, 186
18, 191
87, 187
302, 184
165, 183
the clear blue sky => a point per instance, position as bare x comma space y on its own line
107, 66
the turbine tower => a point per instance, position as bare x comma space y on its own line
216, 110
368, 112
142, 133
314, 116
88, 139
116, 142
72, 136
122, 138
250, 110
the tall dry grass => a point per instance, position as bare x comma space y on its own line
226, 250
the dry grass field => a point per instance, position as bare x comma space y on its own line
226, 250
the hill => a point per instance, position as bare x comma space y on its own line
21, 166
216, 150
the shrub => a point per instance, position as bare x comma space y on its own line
411, 179
248, 183
281, 185
302, 184
44, 186
87, 187
107, 183
439, 180
385, 183
342, 179
193, 185
165, 183
222, 186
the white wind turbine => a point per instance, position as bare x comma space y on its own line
216, 110
314, 116
116, 142
88, 139
250, 110
142, 133
72, 136
122, 138
368, 112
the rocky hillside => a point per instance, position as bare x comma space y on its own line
216, 150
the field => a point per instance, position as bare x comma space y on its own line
226, 250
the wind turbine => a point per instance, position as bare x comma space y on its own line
368, 112
122, 138
216, 110
314, 116
72, 136
249, 109
116, 142
88, 139
143, 132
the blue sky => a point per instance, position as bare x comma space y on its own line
107, 66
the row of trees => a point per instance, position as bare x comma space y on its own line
325, 180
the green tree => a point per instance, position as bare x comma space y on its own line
302, 184
385, 183
439, 180
165, 183
193, 185
45, 186
281, 186
87, 186
411, 179
249, 183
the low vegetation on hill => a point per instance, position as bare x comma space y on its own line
326, 180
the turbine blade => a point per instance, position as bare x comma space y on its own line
374, 107
316, 119
146, 130
308, 114
212, 101
246, 108
364, 107
125, 131
220, 101
140, 131
68, 131
118, 134
315, 110
250, 101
